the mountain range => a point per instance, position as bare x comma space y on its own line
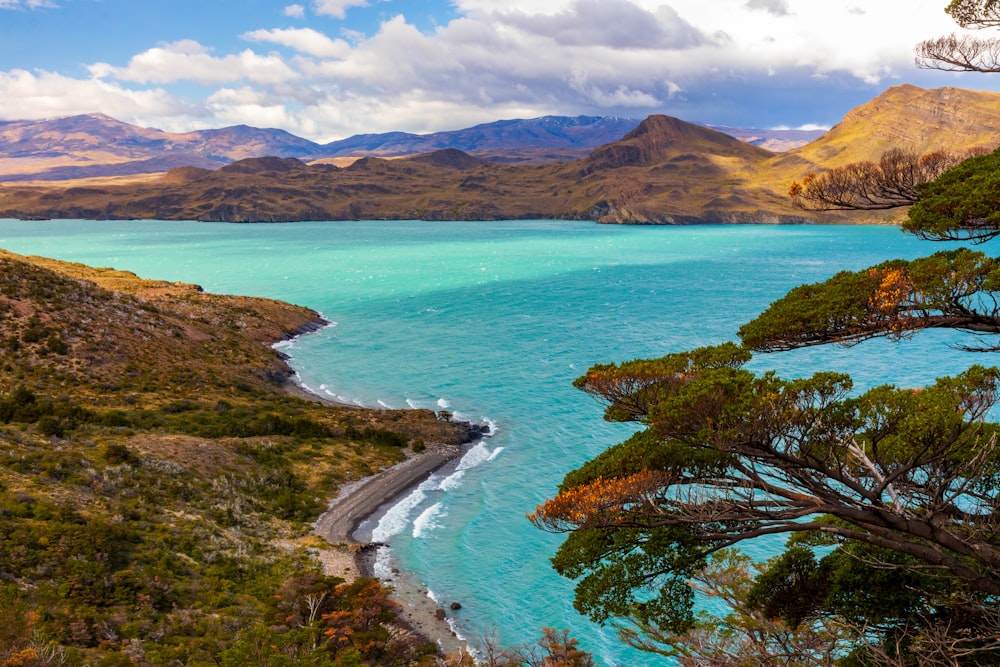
663, 171
95, 145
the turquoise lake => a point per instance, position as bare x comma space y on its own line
493, 321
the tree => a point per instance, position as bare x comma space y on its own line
899, 488
894, 181
747, 635
962, 204
964, 53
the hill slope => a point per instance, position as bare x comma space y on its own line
911, 118
156, 481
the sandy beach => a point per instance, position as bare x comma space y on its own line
347, 558
351, 559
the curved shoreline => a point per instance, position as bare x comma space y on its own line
361, 500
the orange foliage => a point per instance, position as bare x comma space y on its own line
599, 502
894, 288
798, 189
23, 657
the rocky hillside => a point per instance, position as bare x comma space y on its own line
911, 118
157, 483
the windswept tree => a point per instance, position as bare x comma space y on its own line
888, 500
965, 53
894, 181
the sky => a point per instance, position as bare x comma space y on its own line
329, 69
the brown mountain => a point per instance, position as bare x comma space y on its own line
911, 118
666, 171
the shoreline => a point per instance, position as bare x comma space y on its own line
363, 499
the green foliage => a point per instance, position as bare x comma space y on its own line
728, 456
954, 289
116, 454
810, 311
964, 202
632, 388
790, 587
54, 418
378, 436
636, 573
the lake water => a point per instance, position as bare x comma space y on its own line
493, 321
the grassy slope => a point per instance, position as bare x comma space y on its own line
156, 482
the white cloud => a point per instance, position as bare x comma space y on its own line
188, 60
872, 46
246, 106
613, 23
295, 11
776, 7
705, 61
34, 95
336, 8
304, 40
29, 4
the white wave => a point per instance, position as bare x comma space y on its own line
288, 343
428, 520
492, 424
452, 481
397, 518
476, 456
384, 404
340, 398
383, 565
453, 624
444, 403
413, 405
